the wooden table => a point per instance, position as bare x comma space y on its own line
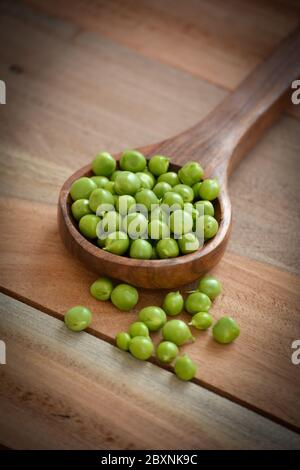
86, 76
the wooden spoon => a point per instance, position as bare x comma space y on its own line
218, 143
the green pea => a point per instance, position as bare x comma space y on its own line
132, 160
80, 208
154, 317
102, 288
188, 243
78, 318
88, 225
135, 225
116, 243
197, 302
100, 181
185, 368
123, 340
115, 174
211, 226
140, 249
146, 180
124, 297
167, 248
104, 164
166, 351
141, 347
158, 164
146, 197
161, 188
210, 286
209, 189
150, 175
177, 331
191, 173
226, 330
100, 197
185, 192
138, 328
173, 303
205, 208
181, 222
82, 188
202, 320
173, 200
124, 203
158, 230
127, 182
171, 178
195, 189
110, 187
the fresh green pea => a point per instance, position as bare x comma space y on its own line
140, 249
195, 189
185, 192
209, 189
210, 286
173, 200
141, 347
185, 368
100, 181
167, 248
146, 197
171, 178
138, 328
123, 340
115, 174
211, 226
132, 160
135, 224
150, 175
191, 173
161, 188
181, 222
154, 317
100, 197
124, 297
201, 320
102, 288
146, 180
88, 225
78, 318
225, 330
177, 331
127, 182
173, 303
82, 188
205, 208
197, 302
104, 164
116, 243
110, 187
80, 208
158, 165
166, 351
124, 203
188, 243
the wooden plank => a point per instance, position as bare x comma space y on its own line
256, 370
61, 390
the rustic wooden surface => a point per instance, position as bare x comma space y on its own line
72, 87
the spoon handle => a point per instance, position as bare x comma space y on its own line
227, 133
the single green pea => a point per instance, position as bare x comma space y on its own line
195, 189
205, 208
185, 192
124, 203
158, 164
209, 189
154, 317
135, 225
116, 243
197, 302
154, 253
167, 248
211, 226
191, 173
88, 225
160, 189
100, 197
100, 181
102, 288
166, 351
140, 249
141, 347
146, 197
173, 200
158, 230
210, 286
181, 222
80, 208
110, 187
127, 182
115, 174
104, 164
82, 188
78, 318
177, 331
124, 297
150, 175
123, 340
188, 243
173, 303
202, 320
225, 330
138, 328
146, 180
185, 368
171, 178
132, 160
111, 222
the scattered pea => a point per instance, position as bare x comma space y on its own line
102, 288
185, 368
166, 351
78, 318
124, 297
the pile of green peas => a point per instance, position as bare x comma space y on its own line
175, 332
177, 214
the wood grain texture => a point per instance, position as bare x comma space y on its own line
256, 370
105, 401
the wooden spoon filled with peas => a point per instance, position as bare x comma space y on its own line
186, 174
